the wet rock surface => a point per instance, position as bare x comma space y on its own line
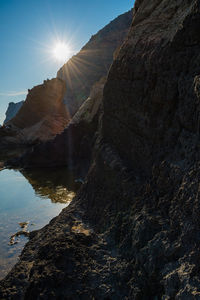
140, 201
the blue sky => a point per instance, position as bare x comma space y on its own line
28, 31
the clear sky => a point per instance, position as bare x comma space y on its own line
29, 30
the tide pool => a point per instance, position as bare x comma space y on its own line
35, 197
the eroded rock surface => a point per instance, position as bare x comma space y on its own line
140, 202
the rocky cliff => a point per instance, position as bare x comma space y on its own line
74, 146
133, 230
80, 73
40, 118
93, 61
12, 110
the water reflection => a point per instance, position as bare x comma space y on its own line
33, 197
56, 184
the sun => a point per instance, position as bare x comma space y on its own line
61, 51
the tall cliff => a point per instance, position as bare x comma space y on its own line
93, 61
41, 116
86, 68
42, 101
132, 232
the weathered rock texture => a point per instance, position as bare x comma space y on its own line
133, 230
42, 116
93, 61
12, 110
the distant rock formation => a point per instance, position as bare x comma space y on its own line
41, 117
73, 147
93, 61
80, 74
12, 110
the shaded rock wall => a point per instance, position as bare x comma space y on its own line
93, 61
154, 81
146, 170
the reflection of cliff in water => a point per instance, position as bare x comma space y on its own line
57, 184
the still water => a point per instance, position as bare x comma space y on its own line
34, 197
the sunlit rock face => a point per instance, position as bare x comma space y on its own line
74, 146
93, 61
43, 114
12, 110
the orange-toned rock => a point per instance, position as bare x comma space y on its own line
43, 114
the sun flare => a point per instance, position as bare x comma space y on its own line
61, 52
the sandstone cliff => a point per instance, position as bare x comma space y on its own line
133, 230
12, 110
93, 61
41, 117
